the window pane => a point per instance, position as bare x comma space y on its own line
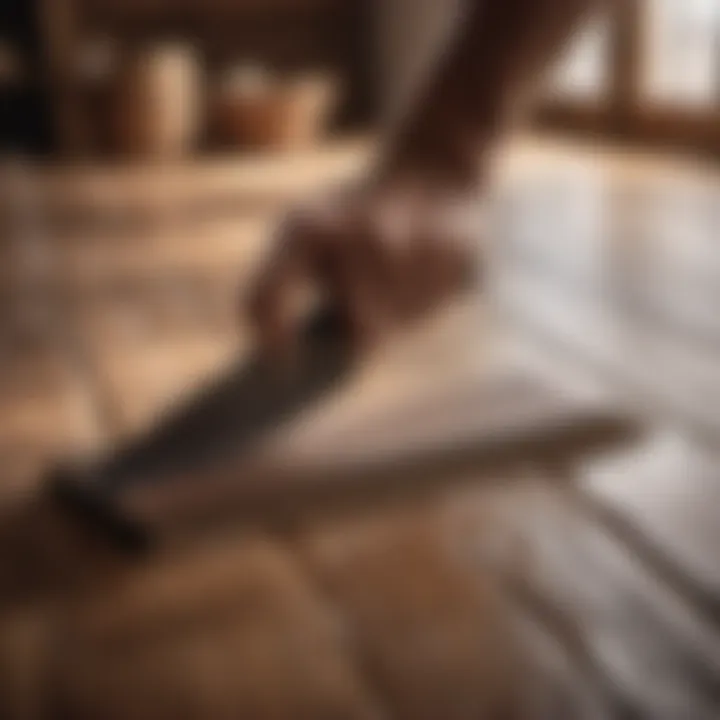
583, 71
681, 60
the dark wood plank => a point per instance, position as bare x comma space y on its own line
235, 632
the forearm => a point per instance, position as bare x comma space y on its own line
500, 48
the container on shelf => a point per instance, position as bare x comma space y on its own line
157, 102
253, 108
12, 70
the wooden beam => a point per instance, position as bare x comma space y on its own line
58, 20
626, 61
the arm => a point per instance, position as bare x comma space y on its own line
499, 50
397, 247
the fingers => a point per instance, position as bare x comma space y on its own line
436, 265
376, 266
315, 255
271, 303
397, 272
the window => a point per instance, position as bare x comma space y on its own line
583, 71
681, 58
649, 72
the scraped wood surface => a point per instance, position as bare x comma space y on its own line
518, 597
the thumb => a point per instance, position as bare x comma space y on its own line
272, 304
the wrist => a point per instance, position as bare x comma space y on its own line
436, 151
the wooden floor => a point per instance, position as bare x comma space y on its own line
538, 596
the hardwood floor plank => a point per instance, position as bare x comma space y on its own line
433, 640
232, 631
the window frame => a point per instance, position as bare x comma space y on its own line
620, 114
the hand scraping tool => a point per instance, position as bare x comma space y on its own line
198, 456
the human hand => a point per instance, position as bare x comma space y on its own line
382, 256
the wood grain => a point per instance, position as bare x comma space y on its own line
519, 594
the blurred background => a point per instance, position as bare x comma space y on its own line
74, 74
147, 148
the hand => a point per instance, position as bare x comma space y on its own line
382, 256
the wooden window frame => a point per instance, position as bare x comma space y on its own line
620, 114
